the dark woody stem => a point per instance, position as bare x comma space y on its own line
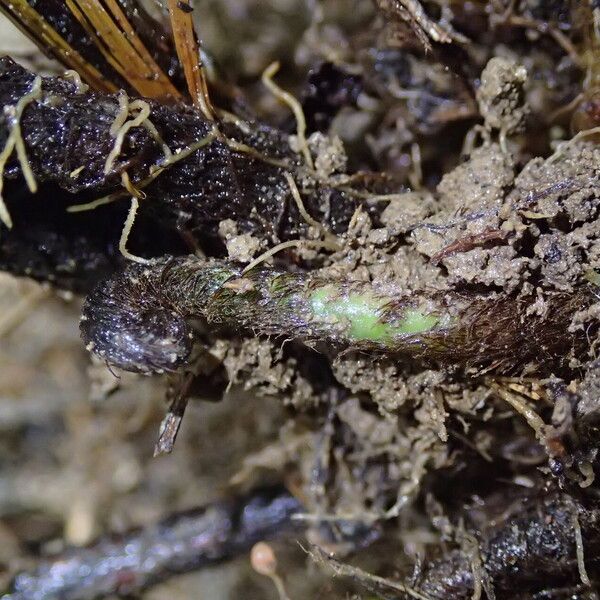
181, 543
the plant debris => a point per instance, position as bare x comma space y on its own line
358, 243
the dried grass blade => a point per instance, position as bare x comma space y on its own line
51, 42
188, 51
133, 38
122, 48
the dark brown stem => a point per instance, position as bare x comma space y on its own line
184, 542
207, 178
532, 551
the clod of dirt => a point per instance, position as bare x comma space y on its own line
470, 198
240, 247
561, 259
406, 210
259, 366
501, 95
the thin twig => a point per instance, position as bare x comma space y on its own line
169, 428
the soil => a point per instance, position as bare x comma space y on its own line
443, 476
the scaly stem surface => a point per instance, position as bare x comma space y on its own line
140, 319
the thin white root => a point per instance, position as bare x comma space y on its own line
127, 227
132, 189
245, 149
155, 171
278, 581
34, 94
81, 87
15, 141
76, 208
301, 208
179, 155
523, 408
151, 128
122, 115
121, 127
564, 145
328, 236
4, 155
295, 107
579, 550
283, 246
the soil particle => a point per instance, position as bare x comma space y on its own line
564, 186
588, 404
329, 154
561, 194
468, 400
501, 96
366, 425
432, 413
586, 320
479, 183
258, 365
561, 259
240, 248
374, 254
392, 386
490, 218
382, 378
500, 267
470, 197
405, 210
405, 270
